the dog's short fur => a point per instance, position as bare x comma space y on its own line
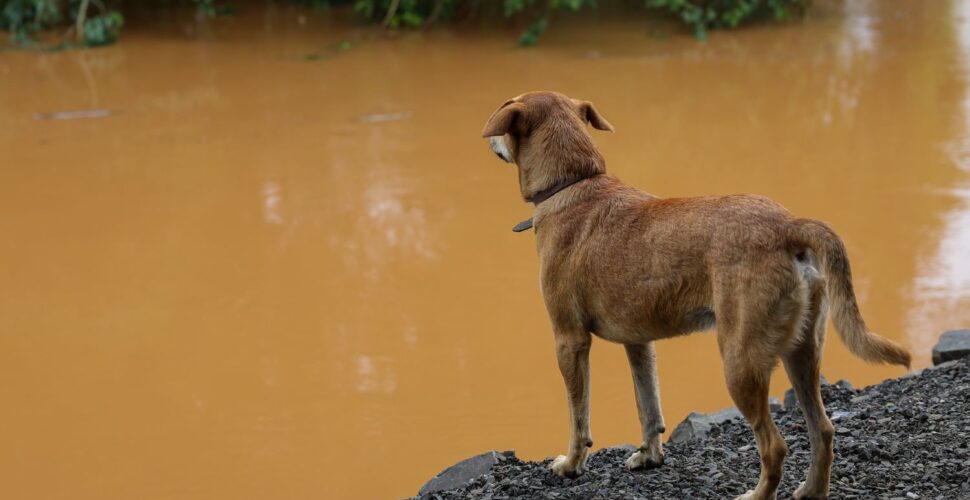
632, 268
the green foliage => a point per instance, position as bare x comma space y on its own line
703, 15
103, 29
414, 13
24, 17
208, 8
513, 6
531, 35
101, 25
571, 4
398, 13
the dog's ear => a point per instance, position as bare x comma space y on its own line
589, 113
502, 119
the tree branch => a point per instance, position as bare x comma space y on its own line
391, 11
438, 6
82, 15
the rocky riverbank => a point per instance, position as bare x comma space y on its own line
906, 438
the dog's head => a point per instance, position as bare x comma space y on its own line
545, 135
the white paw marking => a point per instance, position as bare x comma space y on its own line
748, 495
803, 492
561, 467
640, 459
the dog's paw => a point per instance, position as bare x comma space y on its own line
751, 495
645, 459
562, 468
803, 493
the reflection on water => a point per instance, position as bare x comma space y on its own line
944, 278
262, 275
860, 36
271, 203
375, 375
941, 288
390, 224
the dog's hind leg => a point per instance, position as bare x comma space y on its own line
802, 365
572, 352
644, 368
748, 384
755, 325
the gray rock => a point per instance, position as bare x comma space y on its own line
462, 472
719, 417
626, 448
774, 404
790, 400
698, 425
695, 426
843, 415
944, 365
952, 345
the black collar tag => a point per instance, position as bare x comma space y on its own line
522, 226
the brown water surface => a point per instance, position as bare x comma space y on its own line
279, 267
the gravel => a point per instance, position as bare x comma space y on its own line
906, 438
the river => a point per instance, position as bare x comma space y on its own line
272, 258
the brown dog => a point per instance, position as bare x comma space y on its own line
632, 268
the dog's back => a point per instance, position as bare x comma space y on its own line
642, 268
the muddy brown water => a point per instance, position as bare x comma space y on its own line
261, 264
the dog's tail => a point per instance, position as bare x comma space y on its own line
845, 310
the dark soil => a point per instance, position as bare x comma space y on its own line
905, 438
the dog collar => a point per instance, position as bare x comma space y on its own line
544, 195
522, 226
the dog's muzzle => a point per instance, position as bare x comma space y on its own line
500, 148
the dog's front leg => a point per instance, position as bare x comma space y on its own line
644, 367
572, 351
